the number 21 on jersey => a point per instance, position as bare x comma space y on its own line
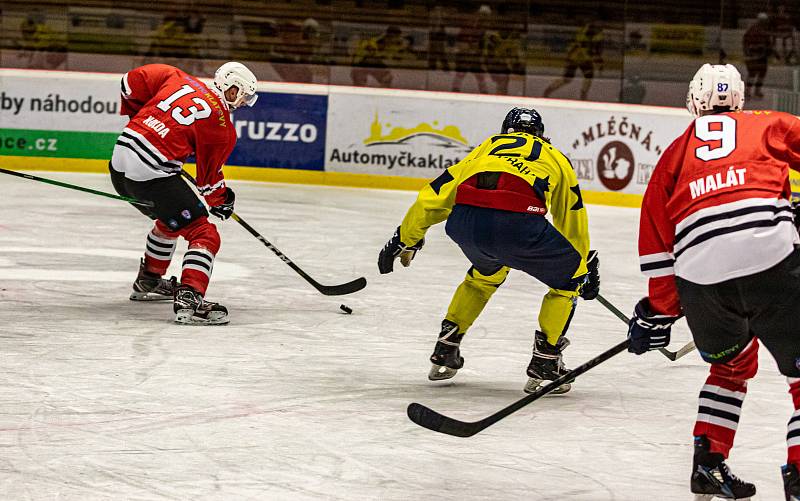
721, 129
513, 146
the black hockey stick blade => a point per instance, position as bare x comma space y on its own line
432, 420
341, 289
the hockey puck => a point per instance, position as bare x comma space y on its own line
345, 309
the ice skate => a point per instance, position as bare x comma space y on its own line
191, 308
446, 356
711, 478
151, 287
791, 482
546, 364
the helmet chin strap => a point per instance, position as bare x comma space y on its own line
221, 96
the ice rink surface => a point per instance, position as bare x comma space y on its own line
104, 398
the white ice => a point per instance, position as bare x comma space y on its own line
104, 398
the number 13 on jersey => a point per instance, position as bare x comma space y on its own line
177, 112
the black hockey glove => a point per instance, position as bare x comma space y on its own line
796, 214
591, 288
648, 331
395, 247
225, 209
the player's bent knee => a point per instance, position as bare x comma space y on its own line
570, 294
494, 280
163, 231
202, 233
741, 365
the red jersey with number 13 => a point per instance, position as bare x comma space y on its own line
717, 206
179, 115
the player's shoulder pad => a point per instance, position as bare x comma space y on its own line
555, 152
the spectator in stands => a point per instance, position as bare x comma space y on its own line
310, 39
375, 56
504, 57
41, 46
315, 49
584, 53
633, 90
783, 30
302, 49
437, 41
757, 45
170, 38
471, 50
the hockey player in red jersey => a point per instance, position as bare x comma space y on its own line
174, 115
718, 244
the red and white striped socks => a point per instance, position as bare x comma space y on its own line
158, 251
198, 262
721, 399
793, 429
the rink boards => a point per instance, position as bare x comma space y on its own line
338, 135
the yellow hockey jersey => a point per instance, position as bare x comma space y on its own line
531, 158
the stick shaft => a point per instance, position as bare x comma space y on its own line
556, 383
672, 355
75, 187
432, 420
269, 246
328, 290
613, 309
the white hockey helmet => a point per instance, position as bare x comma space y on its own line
236, 74
715, 87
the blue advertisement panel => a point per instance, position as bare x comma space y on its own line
281, 130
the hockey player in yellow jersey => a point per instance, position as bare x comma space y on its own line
495, 201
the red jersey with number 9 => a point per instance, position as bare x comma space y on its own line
718, 206
174, 115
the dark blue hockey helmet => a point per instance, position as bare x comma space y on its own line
523, 120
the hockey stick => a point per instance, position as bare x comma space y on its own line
432, 420
78, 188
672, 355
675, 355
329, 290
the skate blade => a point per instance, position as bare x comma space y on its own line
534, 384
440, 372
187, 317
149, 296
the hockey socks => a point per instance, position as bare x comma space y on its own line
198, 262
789, 472
197, 266
721, 399
793, 428
159, 249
